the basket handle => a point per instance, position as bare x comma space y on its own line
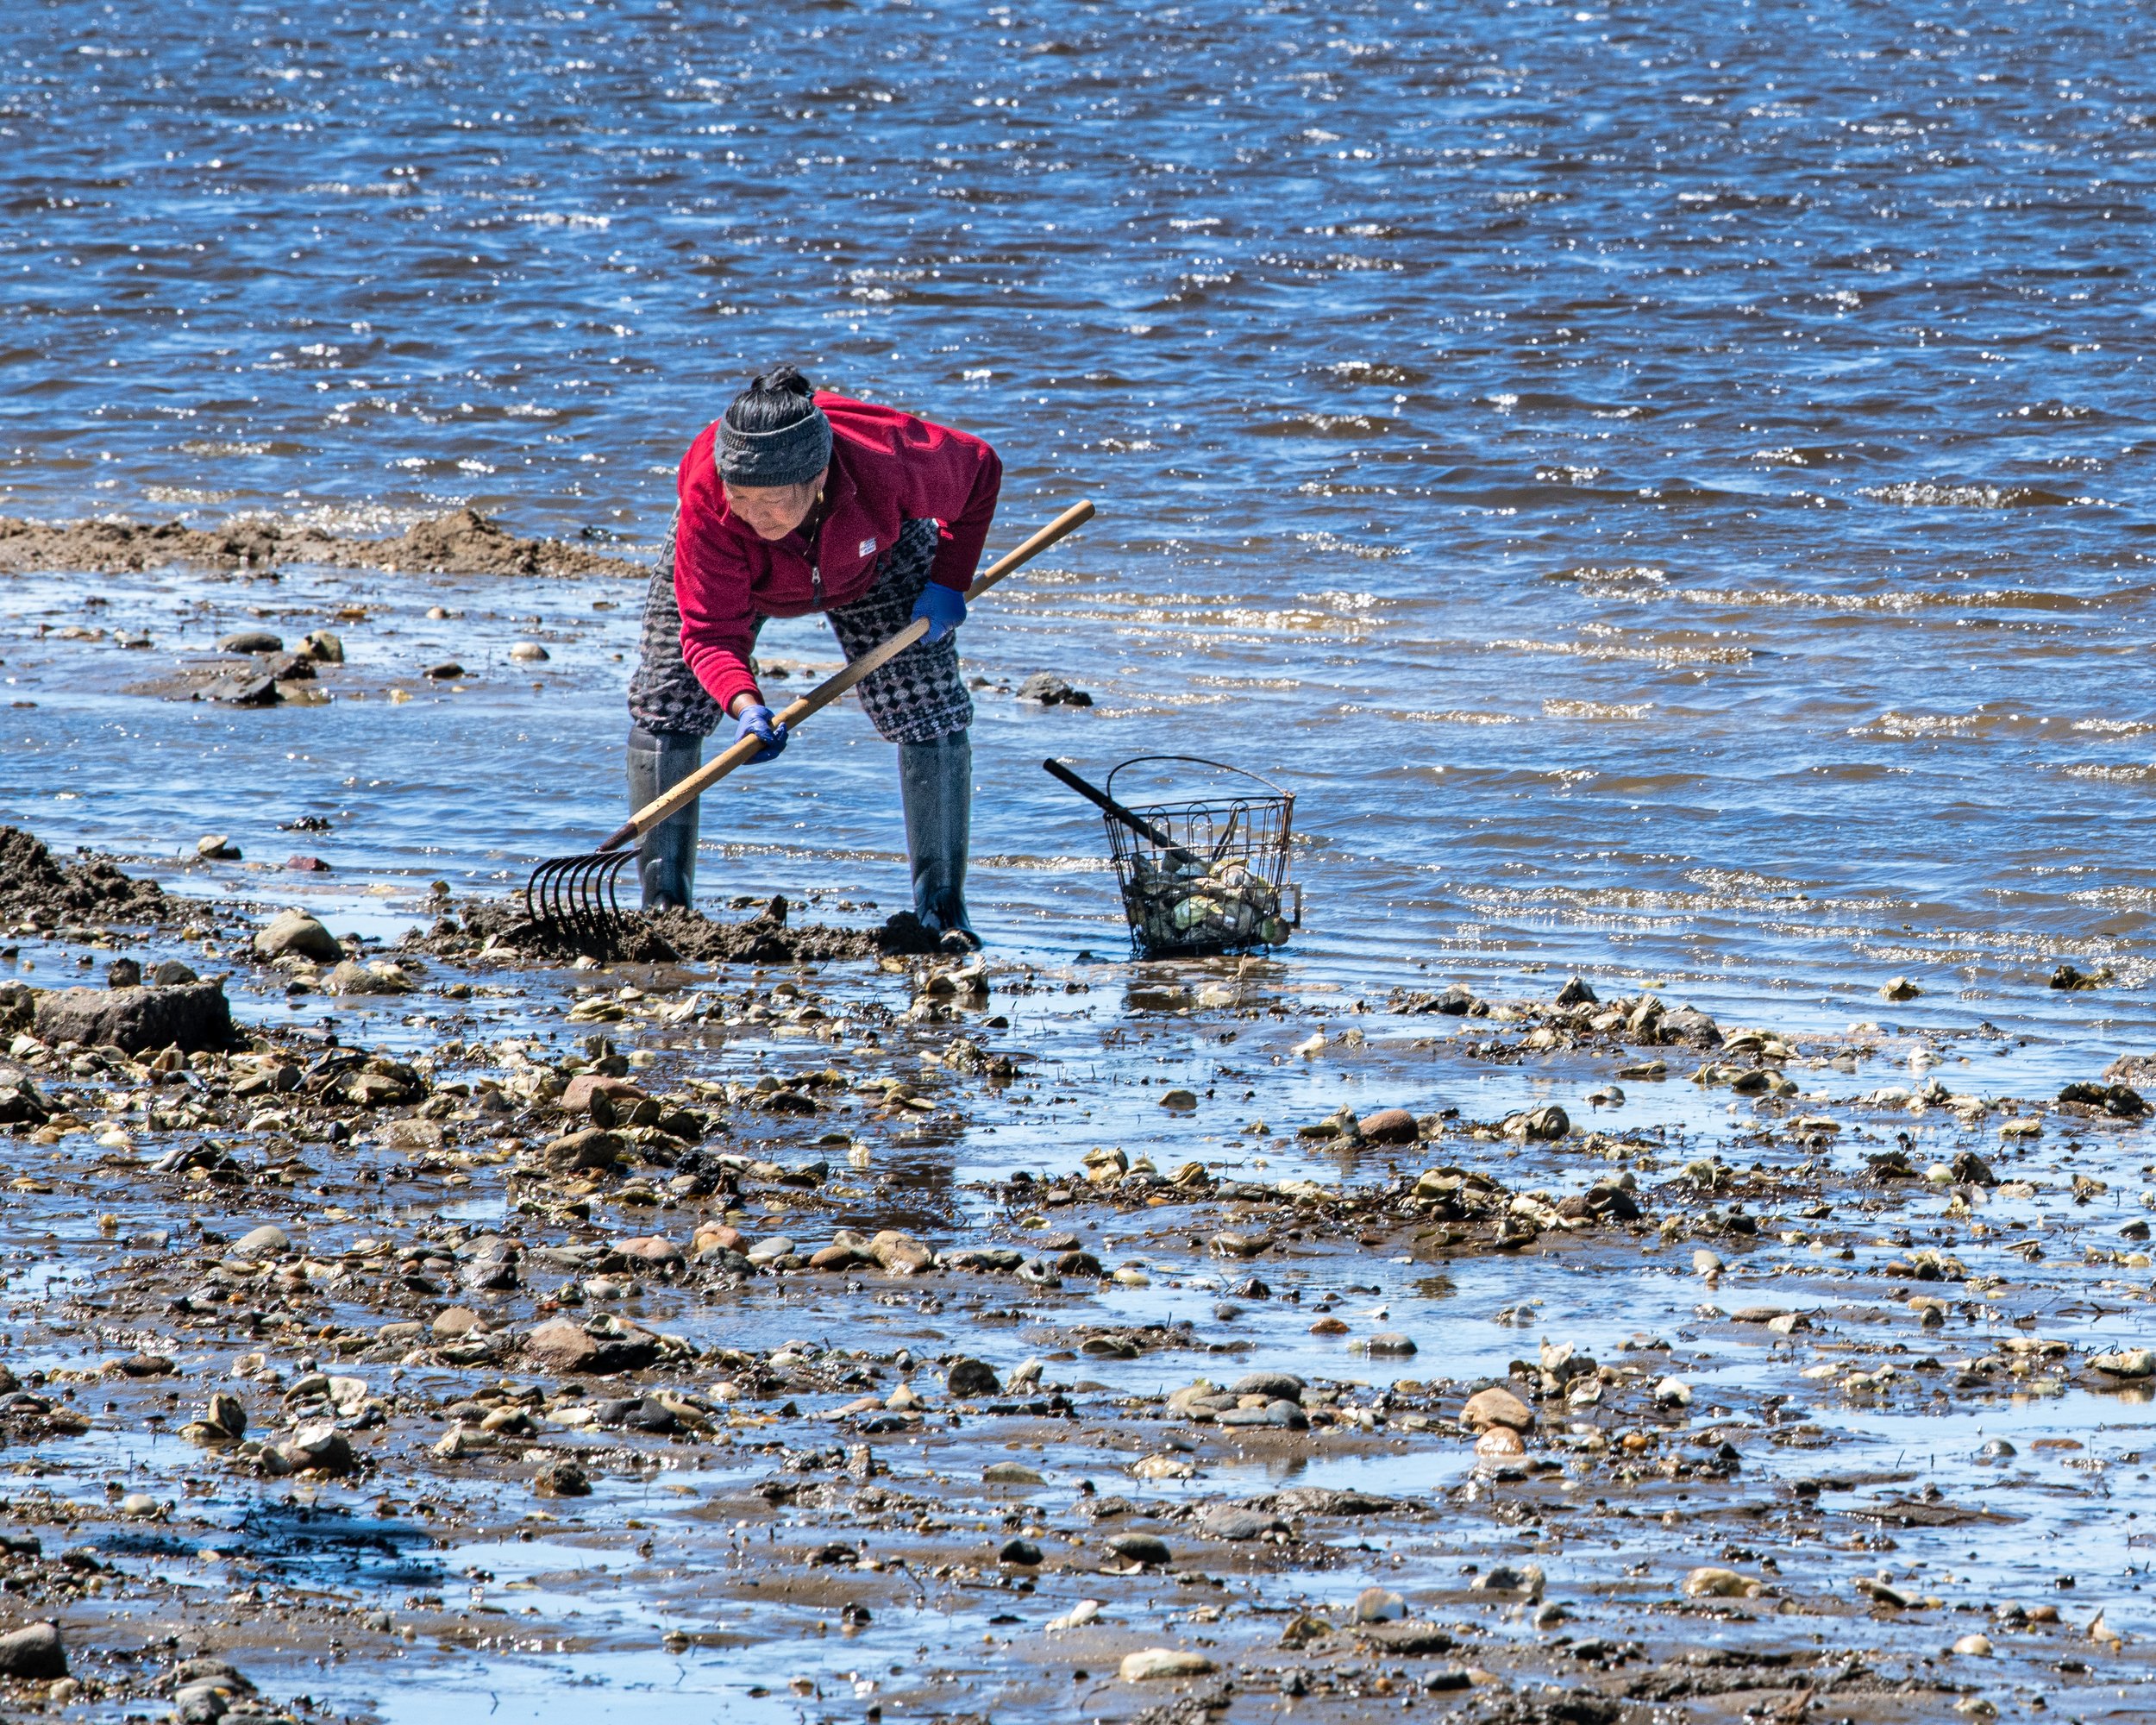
1200, 760
1115, 811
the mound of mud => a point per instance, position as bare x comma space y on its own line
648, 938
463, 543
34, 887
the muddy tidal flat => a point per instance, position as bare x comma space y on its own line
403, 1326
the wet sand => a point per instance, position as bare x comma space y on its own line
617, 1337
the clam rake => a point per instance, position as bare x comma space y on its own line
577, 899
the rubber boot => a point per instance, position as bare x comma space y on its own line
936, 783
666, 859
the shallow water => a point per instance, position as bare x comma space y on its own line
1623, 473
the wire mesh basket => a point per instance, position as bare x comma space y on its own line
1220, 882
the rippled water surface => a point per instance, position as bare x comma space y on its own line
1668, 492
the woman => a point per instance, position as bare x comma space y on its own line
799, 500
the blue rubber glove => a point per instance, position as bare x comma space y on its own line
757, 720
945, 608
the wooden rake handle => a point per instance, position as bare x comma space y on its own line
680, 795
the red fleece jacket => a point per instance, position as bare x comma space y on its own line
886, 468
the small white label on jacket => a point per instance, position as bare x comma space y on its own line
867, 546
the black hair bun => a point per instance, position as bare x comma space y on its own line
786, 379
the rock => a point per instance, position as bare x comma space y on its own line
1379, 1605
1410, 1639
294, 933
1548, 1121
1391, 1342
34, 1653
714, 1237
124, 973
323, 647
1021, 1552
1389, 1125
321, 1447
1689, 1025
1576, 993
243, 689
652, 1252
1673, 1392
1500, 1442
1900, 989
224, 1420
377, 1088
216, 847
1159, 1662
172, 973
455, 1321
562, 1478
1050, 690
352, 977
1179, 1099
1149, 1549
1496, 1406
2119, 1101
192, 1017
1708, 1583
576, 1098
2126, 1363
266, 1241
970, 1379
251, 641
1273, 1386
448, 671
901, 1254
528, 652
592, 1148
1974, 1647
1234, 1523
1010, 1473
569, 1348
1524, 1581
1281, 1415
306, 865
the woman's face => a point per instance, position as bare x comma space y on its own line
773, 512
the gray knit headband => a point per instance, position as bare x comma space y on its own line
793, 455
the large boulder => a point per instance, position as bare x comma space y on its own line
590, 1150
294, 933
33, 1653
192, 1018
572, 1349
